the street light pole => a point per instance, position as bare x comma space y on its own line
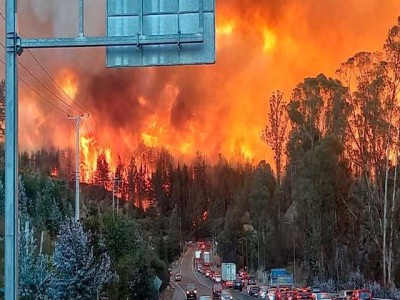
294, 254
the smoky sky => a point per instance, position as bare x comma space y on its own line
220, 100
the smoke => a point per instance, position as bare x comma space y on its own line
261, 46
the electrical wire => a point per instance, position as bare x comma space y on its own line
43, 85
39, 94
56, 84
81, 108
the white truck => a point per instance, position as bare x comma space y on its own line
228, 273
206, 258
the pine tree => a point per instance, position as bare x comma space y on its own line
102, 171
33, 269
141, 285
2, 198
27, 247
77, 273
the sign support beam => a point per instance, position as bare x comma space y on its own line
139, 40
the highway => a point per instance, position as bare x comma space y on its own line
190, 276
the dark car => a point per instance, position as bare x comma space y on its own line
253, 291
303, 294
237, 285
178, 277
283, 293
251, 280
191, 292
216, 290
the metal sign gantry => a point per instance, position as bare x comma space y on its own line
139, 33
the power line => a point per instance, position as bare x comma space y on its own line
43, 85
55, 82
40, 95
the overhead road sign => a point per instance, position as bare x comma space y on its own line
184, 31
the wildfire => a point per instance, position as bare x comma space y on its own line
68, 82
217, 109
225, 28
90, 152
54, 172
269, 39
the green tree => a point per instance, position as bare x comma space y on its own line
263, 212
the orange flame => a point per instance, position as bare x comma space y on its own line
54, 172
261, 47
205, 215
68, 82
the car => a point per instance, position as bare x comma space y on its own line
207, 273
203, 297
271, 294
217, 278
282, 293
251, 280
303, 294
315, 290
226, 295
191, 292
322, 296
217, 290
253, 291
345, 295
361, 295
178, 277
263, 293
238, 285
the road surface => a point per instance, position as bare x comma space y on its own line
190, 276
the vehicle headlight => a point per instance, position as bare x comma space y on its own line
187, 292
195, 291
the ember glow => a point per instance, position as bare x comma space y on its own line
262, 46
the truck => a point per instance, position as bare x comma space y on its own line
206, 258
280, 277
228, 273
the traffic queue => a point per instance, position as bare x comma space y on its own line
247, 283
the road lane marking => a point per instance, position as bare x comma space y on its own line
184, 293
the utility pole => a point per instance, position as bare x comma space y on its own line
77, 120
11, 156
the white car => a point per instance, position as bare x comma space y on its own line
263, 293
226, 295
